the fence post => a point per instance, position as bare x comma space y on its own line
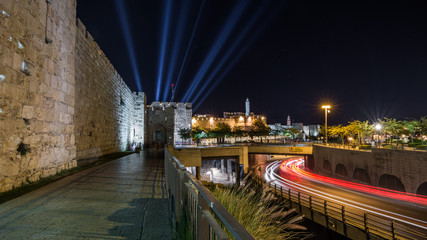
311, 207
344, 224
393, 230
325, 210
202, 224
281, 192
289, 195
365, 223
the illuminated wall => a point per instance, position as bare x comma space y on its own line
104, 107
60, 98
165, 119
236, 120
37, 90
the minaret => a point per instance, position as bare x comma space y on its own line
247, 110
288, 122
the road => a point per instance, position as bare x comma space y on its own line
408, 211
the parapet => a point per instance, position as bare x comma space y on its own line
170, 105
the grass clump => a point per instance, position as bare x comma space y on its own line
365, 147
259, 211
422, 147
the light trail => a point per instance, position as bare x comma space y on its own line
241, 44
271, 175
236, 45
196, 24
178, 38
163, 47
124, 23
219, 43
294, 167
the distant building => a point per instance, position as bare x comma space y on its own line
234, 119
305, 131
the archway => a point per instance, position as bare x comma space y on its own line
158, 135
341, 170
327, 165
391, 182
361, 175
422, 189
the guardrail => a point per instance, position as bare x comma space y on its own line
188, 197
336, 217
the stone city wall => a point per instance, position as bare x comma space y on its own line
37, 90
104, 103
407, 166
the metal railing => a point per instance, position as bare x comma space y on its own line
188, 197
352, 224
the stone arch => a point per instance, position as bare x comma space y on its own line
341, 170
158, 134
361, 175
422, 189
327, 165
391, 182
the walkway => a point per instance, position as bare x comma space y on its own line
121, 199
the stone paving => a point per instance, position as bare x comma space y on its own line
121, 199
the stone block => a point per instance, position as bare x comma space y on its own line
27, 112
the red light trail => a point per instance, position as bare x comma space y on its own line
293, 167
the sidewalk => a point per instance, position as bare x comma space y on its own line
121, 199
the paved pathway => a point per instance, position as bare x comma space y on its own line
121, 199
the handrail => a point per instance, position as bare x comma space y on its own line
367, 223
180, 183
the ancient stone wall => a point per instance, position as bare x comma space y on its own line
104, 103
409, 167
139, 118
183, 115
165, 119
37, 89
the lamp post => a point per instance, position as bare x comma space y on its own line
378, 127
326, 107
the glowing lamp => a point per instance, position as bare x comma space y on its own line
193, 121
326, 106
378, 127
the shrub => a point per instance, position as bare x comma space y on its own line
389, 147
413, 144
259, 212
422, 147
365, 147
23, 149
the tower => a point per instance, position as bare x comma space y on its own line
247, 110
288, 121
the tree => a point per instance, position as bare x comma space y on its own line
390, 127
410, 128
185, 133
339, 131
239, 132
221, 131
291, 133
360, 129
198, 133
259, 128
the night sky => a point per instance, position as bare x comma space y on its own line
367, 59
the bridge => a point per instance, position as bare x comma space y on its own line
193, 157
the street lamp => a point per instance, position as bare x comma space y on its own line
378, 127
326, 107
